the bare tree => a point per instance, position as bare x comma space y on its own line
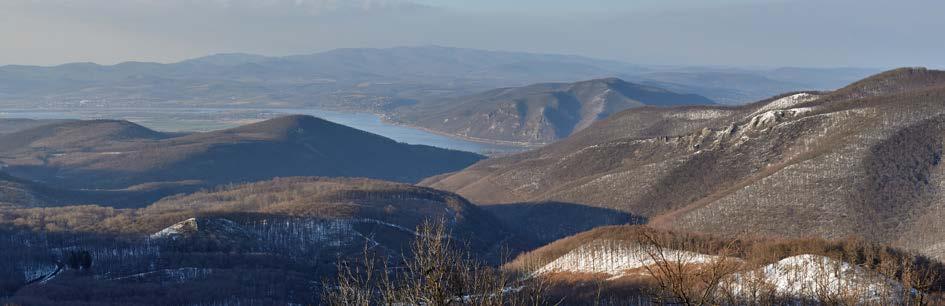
682, 277
435, 273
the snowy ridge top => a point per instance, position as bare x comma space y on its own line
787, 102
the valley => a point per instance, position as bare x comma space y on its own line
472, 153
773, 197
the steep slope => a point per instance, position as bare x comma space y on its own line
539, 113
118, 154
862, 160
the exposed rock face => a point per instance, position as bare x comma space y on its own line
201, 226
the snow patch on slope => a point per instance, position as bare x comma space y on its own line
936, 251
787, 102
179, 275
815, 277
615, 259
193, 226
177, 229
297, 234
704, 114
36, 270
772, 117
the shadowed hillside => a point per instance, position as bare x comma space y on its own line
107, 154
235, 242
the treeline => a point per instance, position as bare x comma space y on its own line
437, 268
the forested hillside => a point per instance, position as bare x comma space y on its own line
861, 160
270, 242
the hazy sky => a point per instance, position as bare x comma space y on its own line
866, 33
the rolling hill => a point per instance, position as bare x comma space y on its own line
110, 154
391, 210
539, 113
862, 160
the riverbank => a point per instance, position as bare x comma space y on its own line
171, 119
525, 146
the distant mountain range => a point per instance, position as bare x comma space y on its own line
861, 160
111, 154
539, 113
371, 79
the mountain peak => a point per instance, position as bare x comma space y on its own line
285, 125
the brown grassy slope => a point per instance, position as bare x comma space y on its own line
862, 160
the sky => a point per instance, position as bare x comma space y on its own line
765, 33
